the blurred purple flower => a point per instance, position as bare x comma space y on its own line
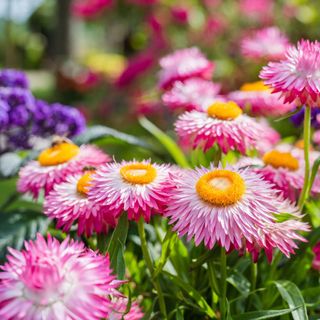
297, 119
13, 79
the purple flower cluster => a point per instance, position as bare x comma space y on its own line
23, 117
297, 119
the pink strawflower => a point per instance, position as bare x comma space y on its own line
48, 280
139, 188
223, 123
88, 9
297, 77
316, 259
68, 203
268, 43
182, 65
260, 10
192, 94
233, 207
36, 176
119, 306
257, 99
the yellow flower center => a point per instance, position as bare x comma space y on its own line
85, 182
279, 159
138, 173
221, 187
224, 110
58, 153
254, 86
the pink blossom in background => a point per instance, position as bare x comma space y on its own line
182, 65
213, 27
268, 43
180, 14
296, 77
143, 2
260, 10
316, 259
89, 8
136, 67
316, 137
192, 94
269, 139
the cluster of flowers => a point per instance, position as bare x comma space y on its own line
24, 119
239, 207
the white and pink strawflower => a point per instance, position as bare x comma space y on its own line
182, 65
119, 306
55, 164
223, 123
257, 99
297, 77
231, 207
192, 94
68, 202
49, 280
270, 138
138, 188
268, 43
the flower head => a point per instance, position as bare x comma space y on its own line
140, 188
68, 203
231, 207
55, 164
90, 8
223, 123
51, 280
192, 94
182, 65
297, 77
259, 101
268, 43
316, 259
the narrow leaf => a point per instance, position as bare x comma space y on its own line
116, 246
166, 141
292, 295
193, 293
259, 315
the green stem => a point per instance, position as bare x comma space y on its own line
223, 285
306, 139
149, 263
213, 281
254, 274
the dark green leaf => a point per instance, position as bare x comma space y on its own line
292, 295
193, 293
97, 132
167, 244
116, 246
265, 314
9, 164
17, 226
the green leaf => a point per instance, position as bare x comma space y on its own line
193, 293
265, 314
166, 141
9, 164
167, 245
116, 246
239, 281
292, 295
17, 226
97, 132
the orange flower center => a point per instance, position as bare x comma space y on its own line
224, 110
254, 86
300, 145
57, 154
279, 159
221, 187
138, 173
85, 182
